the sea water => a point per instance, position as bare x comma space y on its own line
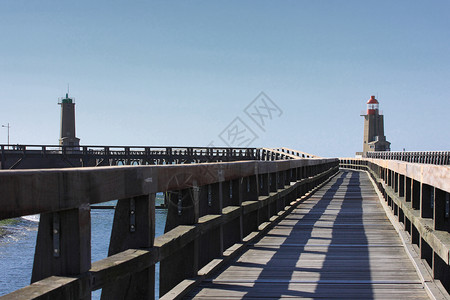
18, 241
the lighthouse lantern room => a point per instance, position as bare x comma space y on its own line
372, 106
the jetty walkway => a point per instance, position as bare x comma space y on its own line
338, 243
277, 226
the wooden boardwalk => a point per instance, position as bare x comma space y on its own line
337, 244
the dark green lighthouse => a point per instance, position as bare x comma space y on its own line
67, 137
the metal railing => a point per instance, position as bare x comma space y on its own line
424, 157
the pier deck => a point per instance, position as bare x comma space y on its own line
336, 244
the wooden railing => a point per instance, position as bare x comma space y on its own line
419, 197
14, 156
29, 156
296, 153
214, 210
424, 157
283, 153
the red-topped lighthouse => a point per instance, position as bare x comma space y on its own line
374, 139
372, 106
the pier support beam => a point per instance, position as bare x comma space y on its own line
63, 246
183, 209
133, 228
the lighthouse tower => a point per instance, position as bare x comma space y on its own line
68, 137
374, 139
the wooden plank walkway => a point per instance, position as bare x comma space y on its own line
337, 244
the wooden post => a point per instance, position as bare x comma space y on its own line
407, 225
227, 189
63, 246
211, 202
415, 236
441, 210
279, 203
273, 182
240, 196
264, 185
183, 209
299, 189
292, 175
251, 220
426, 201
232, 231
441, 271
133, 228
426, 252
408, 188
401, 216
415, 194
395, 179
401, 187
300, 173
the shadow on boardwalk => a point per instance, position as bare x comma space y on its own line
322, 276
302, 257
336, 244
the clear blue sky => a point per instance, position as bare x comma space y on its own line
179, 72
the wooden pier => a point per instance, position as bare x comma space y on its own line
279, 226
337, 243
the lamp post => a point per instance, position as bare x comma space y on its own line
7, 126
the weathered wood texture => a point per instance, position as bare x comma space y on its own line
228, 225
337, 244
133, 228
63, 246
205, 200
427, 157
419, 197
434, 175
58, 156
60, 189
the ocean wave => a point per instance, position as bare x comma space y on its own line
32, 218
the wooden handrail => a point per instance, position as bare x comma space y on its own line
211, 208
435, 175
419, 195
426, 157
298, 153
